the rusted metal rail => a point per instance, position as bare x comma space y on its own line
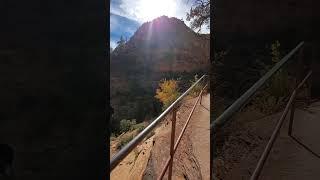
275, 133
173, 149
116, 159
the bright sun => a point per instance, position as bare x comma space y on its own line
150, 9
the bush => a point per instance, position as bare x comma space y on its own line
125, 140
277, 89
279, 85
138, 127
167, 92
126, 125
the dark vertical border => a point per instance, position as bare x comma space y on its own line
212, 19
108, 106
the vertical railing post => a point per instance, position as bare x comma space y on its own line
173, 129
299, 67
293, 108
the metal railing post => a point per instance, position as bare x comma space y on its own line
173, 130
293, 108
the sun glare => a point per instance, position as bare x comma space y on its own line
151, 9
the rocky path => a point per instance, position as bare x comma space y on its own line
200, 135
192, 158
288, 159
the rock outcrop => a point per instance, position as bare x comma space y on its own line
158, 48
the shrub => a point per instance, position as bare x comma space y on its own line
279, 85
277, 89
125, 140
167, 92
126, 125
138, 127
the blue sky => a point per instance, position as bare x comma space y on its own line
120, 25
127, 15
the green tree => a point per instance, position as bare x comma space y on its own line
275, 51
199, 14
279, 86
167, 92
121, 42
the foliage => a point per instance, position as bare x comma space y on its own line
127, 125
279, 85
275, 51
199, 14
277, 89
167, 92
125, 140
121, 42
139, 127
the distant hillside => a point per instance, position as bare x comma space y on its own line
162, 48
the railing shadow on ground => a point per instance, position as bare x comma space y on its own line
246, 97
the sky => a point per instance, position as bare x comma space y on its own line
126, 16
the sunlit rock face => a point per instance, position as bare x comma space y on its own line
158, 48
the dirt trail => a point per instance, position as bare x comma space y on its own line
192, 158
288, 159
200, 136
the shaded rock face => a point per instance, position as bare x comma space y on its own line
247, 27
252, 19
52, 94
158, 48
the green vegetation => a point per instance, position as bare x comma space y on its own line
121, 41
124, 141
139, 103
167, 92
277, 90
127, 125
130, 125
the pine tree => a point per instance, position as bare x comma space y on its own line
121, 42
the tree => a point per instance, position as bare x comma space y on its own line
199, 14
121, 42
167, 92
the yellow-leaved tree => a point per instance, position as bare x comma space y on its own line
167, 92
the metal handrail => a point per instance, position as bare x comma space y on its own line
240, 102
117, 158
174, 146
275, 133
